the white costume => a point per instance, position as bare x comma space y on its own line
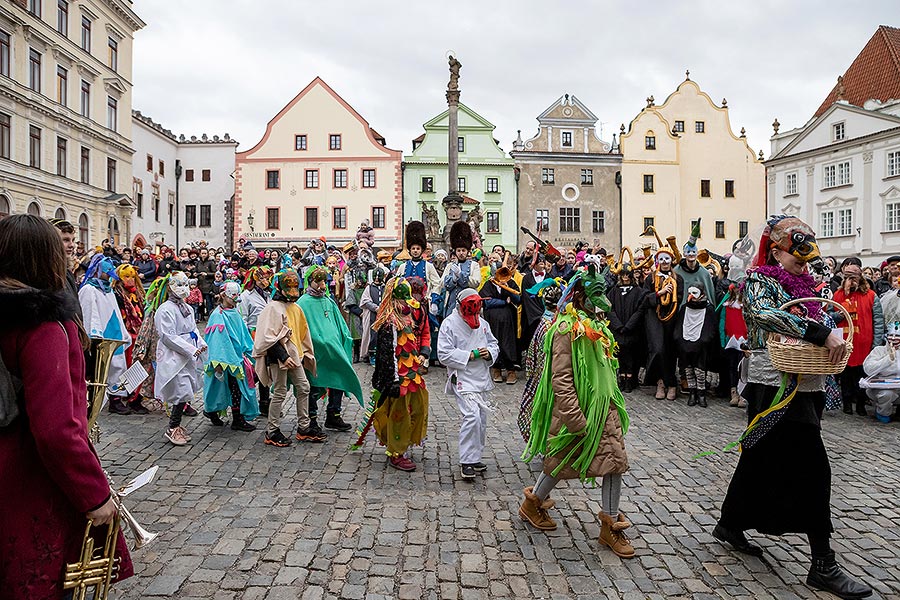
103, 320
879, 363
177, 369
468, 379
252, 303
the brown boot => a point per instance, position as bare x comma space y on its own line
612, 534
497, 375
671, 393
660, 390
535, 512
510, 377
735, 397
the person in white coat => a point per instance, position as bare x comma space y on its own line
254, 298
467, 348
178, 355
883, 362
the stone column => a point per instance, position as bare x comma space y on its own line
452, 202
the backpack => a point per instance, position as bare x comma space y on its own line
11, 393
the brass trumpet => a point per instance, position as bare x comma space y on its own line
616, 267
706, 259
102, 351
503, 274
670, 242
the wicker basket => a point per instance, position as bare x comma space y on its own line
792, 355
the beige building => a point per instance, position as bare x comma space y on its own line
319, 170
566, 179
682, 161
65, 113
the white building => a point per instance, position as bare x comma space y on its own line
183, 187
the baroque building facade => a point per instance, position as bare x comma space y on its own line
567, 179
65, 113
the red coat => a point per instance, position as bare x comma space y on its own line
49, 471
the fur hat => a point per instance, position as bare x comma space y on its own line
415, 234
461, 236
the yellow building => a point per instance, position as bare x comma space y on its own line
682, 161
319, 170
65, 113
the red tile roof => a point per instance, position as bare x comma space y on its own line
467, 200
874, 74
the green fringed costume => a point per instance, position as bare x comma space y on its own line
579, 419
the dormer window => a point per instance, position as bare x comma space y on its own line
650, 141
837, 131
566, 139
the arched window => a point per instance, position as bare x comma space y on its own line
650, 140
34, 209
113, 231
4, 207
60, 213
83, 229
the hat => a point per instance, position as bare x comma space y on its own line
348, 247
461, 236
415, 235
893, 259
232, 290
145, 252
440, 252
690, 246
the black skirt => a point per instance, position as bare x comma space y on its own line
783, 483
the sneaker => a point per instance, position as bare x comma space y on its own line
277, 439
401, 463
742, 403
214, 418
336, 423
468, 471
176, 436
882, 418
309, 434
190, 411
510, 377
479, 467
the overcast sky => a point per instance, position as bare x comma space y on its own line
216, 66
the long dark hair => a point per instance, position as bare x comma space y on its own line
32, 253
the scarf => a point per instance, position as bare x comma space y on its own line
798, 286
316, 293
182, 306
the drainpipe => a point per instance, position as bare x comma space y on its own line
621, 220
177, 206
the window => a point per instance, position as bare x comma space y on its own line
547, 176
34, 7
5, 129
62, 17
273, 218
893, 163
460, 144
368, 178
139, 202
83, 230
460, 184
679, 127
205, 175
566, 139
493, 222
190, 215
428, 184
649, 222
542, 218
598, 221
334, 141
189, 175
85, 165
378, 217
837, 131
62, 85
699, 127
113, 54
790, 184
845, 221
743, 228
312, 178
569, 220
171, 212
892, 216
339, 216
34, 146
729, 188
111, 176
61, 156
312, 218
720, 230
704, 188
34, 209
587, 177
85, 34
205, 215
493, 185
650, 142
149, 163
112, 111
648, 185
826, 224
156, 203
340, 178
272, 179
300, 142
5, 47
837, 174
34, 70
85, 99
162, 168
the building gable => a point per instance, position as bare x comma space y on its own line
478, 133
856, 123
567, 108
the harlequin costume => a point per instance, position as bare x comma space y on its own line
130, 298
547, 293
579, 419
400, 416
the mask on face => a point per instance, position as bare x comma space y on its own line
470, 309
288, 285
179, 285
232, 291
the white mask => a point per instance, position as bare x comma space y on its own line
179, 285
232, 290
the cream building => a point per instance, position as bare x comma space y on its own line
682, 161
319, 170
65, 113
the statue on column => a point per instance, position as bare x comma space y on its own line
455, 65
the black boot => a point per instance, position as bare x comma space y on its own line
701, 399
117, 406
692, 399
861, 408
848, 408
736, 540
239, 423
214, 418
825, 574
336, 423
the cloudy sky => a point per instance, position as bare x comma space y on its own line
219, 66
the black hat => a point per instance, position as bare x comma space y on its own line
415, 235
461, 236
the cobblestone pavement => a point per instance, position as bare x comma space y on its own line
241, 520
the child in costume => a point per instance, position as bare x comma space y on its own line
695, 331
228, 376
254, 297
369, 302
333, 348
548, 293
400, 418
579, 419
282, 349
130, 298
177, 354
468, 349
884, 362
732, 335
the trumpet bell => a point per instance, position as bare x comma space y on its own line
141, 536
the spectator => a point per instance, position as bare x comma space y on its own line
206, 270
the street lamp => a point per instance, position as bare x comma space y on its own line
250, 221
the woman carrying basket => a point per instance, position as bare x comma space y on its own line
782, 483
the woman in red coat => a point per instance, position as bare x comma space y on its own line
52, 479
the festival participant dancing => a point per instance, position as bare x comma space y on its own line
228, 374
400, 418
467, 348
253, 299
548, 293
130, 298
664, 294
782, 483
579, 419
